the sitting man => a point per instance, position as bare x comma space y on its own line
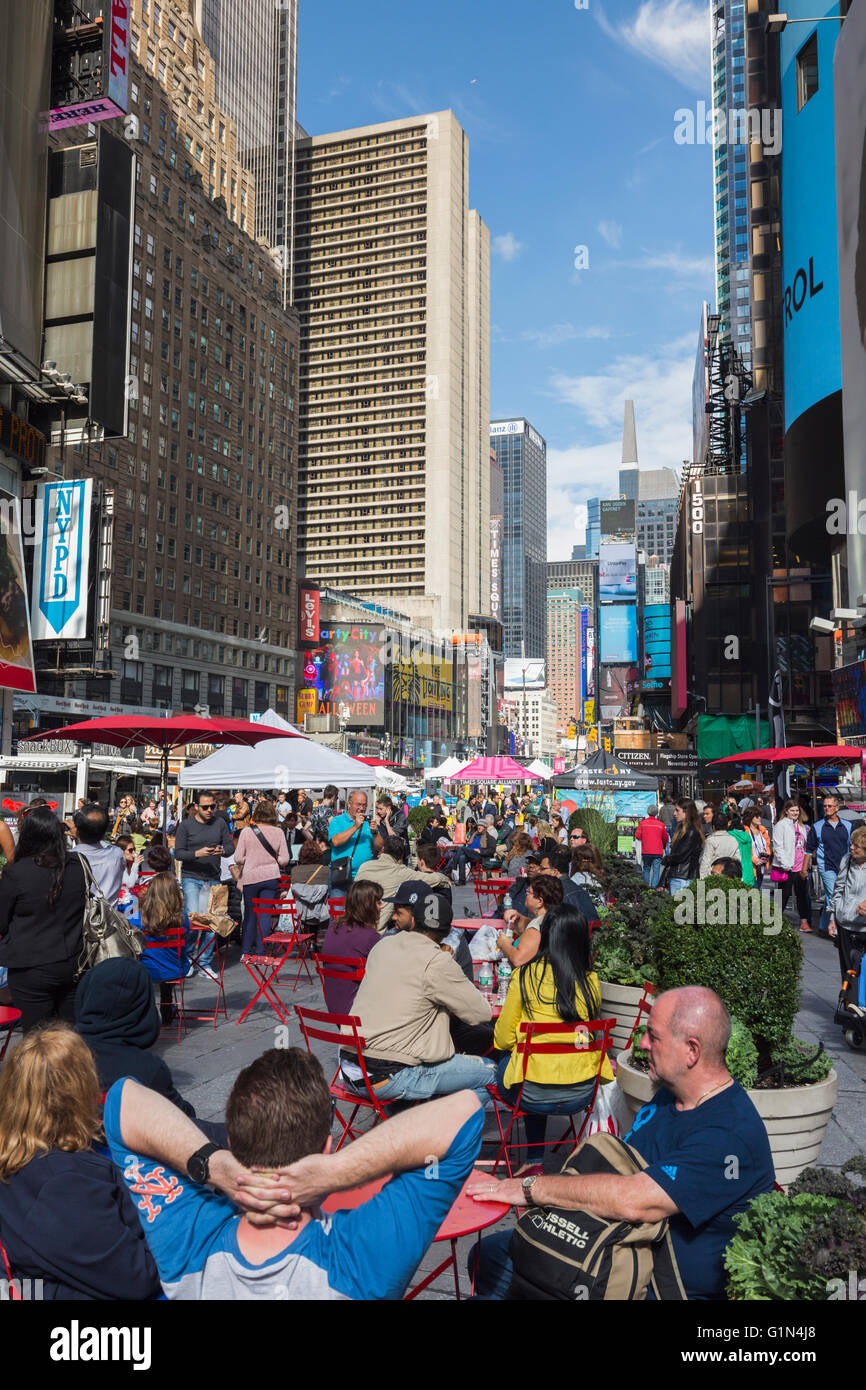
558, 863
406, 1000
435, 830
428, 858
389, 870
278, 1117
704, 1143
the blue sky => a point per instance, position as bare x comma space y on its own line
570, 115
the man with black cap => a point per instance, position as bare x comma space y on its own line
407, 999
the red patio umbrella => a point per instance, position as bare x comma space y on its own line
134, 731
797, 753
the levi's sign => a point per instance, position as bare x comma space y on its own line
61, 560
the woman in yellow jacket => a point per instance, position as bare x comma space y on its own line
557, 986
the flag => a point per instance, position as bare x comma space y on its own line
777, 733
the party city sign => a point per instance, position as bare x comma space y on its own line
61, 560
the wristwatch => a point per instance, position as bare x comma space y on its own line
527, 1184
198, 1165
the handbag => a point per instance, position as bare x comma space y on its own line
267, 844
779, 875
341, 869
105, 933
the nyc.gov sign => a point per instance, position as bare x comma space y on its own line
61, 560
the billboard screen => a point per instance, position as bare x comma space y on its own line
428, 683
346, 669
590, 662
16, 649
535, 667
618, 633
849, 690
850, 91
615, 699
618, 515
584, 633
617, 571
679, 680
656, 646
61, 560
114, 60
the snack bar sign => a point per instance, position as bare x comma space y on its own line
61, 560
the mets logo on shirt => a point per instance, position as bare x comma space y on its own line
151, 1186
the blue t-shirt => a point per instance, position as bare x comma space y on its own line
367, 1254
360, 845
711, 1161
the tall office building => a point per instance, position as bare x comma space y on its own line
657, 503
731, 158
564, 653
522, 455
203, 593
254, 46
593, 527
576, 573
392, 284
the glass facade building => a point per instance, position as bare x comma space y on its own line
730, 175
522, 455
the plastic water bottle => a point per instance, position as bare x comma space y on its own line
507, 903
485, 977
505, 973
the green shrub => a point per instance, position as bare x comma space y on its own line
801, 1063
741, 1057
599, 831
755, 972
419, 818
624, 941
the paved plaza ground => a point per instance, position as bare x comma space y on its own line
205, 1062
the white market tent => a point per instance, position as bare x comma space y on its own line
278, 763
449, 768
390, 781
540, 769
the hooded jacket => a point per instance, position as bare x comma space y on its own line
848, 894
116, 1015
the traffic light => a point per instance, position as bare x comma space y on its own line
607, 745
572, 731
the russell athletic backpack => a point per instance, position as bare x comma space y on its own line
575, 1256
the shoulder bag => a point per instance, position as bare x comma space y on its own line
105, 933
263, 840
341, 869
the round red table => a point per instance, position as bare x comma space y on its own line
466, 1218
473, 923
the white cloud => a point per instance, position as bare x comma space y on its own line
660, 387
507, 246
675, 262
673, 34
611, 232
554, 335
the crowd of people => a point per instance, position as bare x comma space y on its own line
83, 1095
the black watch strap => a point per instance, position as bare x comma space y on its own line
198, 1164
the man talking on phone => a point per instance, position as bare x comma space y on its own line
200, 843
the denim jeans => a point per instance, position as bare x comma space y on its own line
196, 896
459, 1073
460, 858
675, 884
251, 940
563, 1100
490, 1265
652, 867
828, 878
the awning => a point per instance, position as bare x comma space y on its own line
57, 762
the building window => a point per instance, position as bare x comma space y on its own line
807, 71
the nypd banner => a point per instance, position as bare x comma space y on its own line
61, 560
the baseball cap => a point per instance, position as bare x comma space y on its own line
430, 910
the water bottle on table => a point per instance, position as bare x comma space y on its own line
485, 978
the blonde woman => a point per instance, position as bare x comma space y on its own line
65, 1215
161, 911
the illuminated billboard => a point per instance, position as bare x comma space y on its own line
617, 571
426, 683
618, 633
535, 673
347, 672
656, 646
618, 515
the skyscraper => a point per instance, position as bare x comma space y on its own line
392, 287
254, 46
522, 455
564, 653
731, 174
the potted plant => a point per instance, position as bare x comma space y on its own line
599, 832
755, 969
806, 1245
623, 950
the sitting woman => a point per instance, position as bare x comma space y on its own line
543, 892
557, 986
310, 888
518, 855
470, 853
559, 829
161, 911
355, 934
587, 870
66, 1216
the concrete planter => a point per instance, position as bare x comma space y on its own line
620, 1002
795, 1117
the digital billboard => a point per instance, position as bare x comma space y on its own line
850, 90
16, 649
584, 633
849, 690
427, 683
615, 700
618, 515
656, 646
346, 669
590, 662
618, 633
617, 571
535, 669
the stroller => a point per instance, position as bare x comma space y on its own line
851, 1008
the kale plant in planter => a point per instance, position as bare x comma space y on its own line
623, 944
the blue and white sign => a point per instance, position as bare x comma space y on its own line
61, 560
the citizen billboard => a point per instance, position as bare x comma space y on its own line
670, 760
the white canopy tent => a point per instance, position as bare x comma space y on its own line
390, 781
540, 769
278, 763
446, 770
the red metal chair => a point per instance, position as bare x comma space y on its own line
337, 908
15, 1295
342, 1030
278, 948
8, 1019
174, 942
572, 1042
644, 1007
487, 891
339, 968
215, 971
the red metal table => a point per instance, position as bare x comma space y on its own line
473, 923
466, 1218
